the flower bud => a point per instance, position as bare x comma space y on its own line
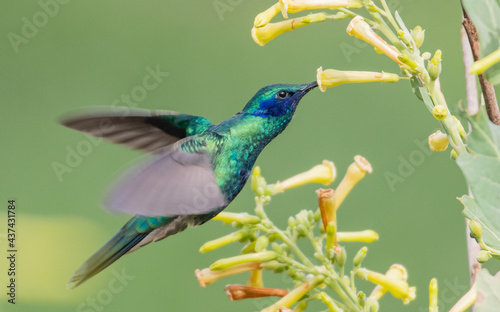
433, 295
340, 256
418, 35
295, 6
475, 229
360, 256
253, 257
366, 236
241, 218
440, 112
291, 222
331, 231
320, 257
361, 30
483, 256
405, 59
277, 248
248, 248
438, 141
261, 243
265, 17
361, 298
331, 78
426, 56
434, 65
460, 128
225, 240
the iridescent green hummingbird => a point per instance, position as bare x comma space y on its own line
197, 168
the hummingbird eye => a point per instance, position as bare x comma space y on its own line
281, 95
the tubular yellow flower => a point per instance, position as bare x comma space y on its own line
486, 62
326, 202
207, 276
438, 141
324, 173
433, 295
264, 34
361, 30
295, 295
265, 17
440, 112
393, 281
253, 257
356, 171
295, 6
241, 218
240, 292
255, 279
366, 236
223, 241
331, 78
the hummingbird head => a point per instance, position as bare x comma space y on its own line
277, 100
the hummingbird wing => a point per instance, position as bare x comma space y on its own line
139, 129
179, 181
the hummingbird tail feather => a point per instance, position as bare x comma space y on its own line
137, 232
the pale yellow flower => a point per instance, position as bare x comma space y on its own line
295, 295
438, 141
294, 6
393, 281
361, 30
265, 17
355, 172
331, 78
324, 173
208, 276
264, 34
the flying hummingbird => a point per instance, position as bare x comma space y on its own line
197, 168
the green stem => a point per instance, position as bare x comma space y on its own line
389, 15
384, 29
338, 290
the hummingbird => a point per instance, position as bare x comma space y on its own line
197, 168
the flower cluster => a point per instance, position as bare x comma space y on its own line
389, 36
269, 248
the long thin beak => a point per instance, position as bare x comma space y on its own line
309, 87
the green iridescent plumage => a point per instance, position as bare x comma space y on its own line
196, 171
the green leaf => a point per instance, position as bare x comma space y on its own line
485, 16
482, 172
488, 292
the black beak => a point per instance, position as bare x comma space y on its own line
309, 87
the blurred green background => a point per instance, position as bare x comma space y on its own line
90, 53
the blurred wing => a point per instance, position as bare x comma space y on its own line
139, 129
175, 183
